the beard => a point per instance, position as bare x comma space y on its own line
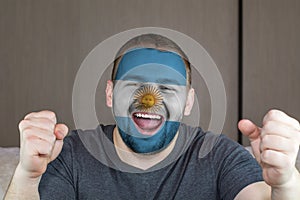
152, 144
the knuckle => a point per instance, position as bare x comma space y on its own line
48, 123
265, 139
50, 114
52, 138
48, 149
266, 154
266, 157
27, 131
273, 114
23, 123
294, 147
268, 125
263, 156
29, 115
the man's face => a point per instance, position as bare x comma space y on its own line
149, 98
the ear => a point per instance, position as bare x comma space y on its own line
109, 93
189, 102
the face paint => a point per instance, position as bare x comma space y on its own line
145, 56
149, 98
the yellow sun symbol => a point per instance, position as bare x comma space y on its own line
148, 99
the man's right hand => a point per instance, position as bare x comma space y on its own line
41, 142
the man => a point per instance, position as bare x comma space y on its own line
153, 155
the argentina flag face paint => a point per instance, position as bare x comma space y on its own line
149, 98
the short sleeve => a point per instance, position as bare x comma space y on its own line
58, 182
236, 169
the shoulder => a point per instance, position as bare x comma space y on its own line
229, 162
214, 148
224, 150
207, 141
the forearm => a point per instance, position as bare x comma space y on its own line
289, 191
22, 187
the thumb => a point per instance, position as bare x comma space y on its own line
249, 129
60, 131
252, 131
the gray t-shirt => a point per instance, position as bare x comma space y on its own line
201, 166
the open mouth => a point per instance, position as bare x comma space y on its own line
147, 123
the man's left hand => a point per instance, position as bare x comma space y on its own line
275, 146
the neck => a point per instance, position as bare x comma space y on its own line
141, 161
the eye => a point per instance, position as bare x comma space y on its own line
166, 88
132, 84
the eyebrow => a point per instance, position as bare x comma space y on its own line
142, 79
135, 78
168, 81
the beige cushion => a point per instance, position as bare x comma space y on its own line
9, 158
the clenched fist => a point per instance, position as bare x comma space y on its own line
41, 142
275, 146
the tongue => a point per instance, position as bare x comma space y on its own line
147, 124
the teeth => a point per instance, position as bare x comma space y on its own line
148, 116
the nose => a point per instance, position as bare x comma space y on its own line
148, 98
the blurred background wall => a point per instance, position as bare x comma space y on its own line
42, 44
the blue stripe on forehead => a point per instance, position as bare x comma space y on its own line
141, 61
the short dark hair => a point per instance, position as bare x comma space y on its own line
156, 41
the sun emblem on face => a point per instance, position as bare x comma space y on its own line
148, 99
